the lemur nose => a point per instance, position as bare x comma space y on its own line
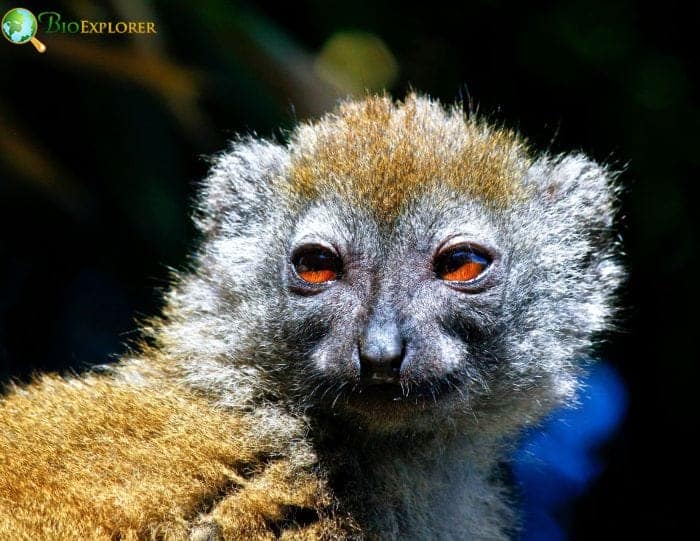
382, 351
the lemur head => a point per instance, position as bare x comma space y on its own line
401, 265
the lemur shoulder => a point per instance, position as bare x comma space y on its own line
377, 308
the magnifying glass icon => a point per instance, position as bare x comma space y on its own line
19, 26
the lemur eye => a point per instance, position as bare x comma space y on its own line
461, 263
316, 264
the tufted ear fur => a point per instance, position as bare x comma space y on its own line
565, 232
240, 187
579, 187
577, 197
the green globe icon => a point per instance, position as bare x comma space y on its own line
19, 26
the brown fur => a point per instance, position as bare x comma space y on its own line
382, 154
106, 458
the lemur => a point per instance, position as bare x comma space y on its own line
377, 308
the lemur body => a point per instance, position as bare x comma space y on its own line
377, 308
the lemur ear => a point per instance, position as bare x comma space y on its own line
240, 187
576, 188
573, 214
569, 223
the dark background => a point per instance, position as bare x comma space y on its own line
102, 139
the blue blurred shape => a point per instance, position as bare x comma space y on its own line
557, 459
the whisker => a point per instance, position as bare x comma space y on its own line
340, 392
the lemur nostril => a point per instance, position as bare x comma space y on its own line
380, 362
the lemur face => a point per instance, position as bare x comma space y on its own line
395, 265
397, 315
408, 264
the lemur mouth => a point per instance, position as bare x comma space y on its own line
393, 389
391, 379
385, 390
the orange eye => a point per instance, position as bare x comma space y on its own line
461, 264
317, 276
317, 265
